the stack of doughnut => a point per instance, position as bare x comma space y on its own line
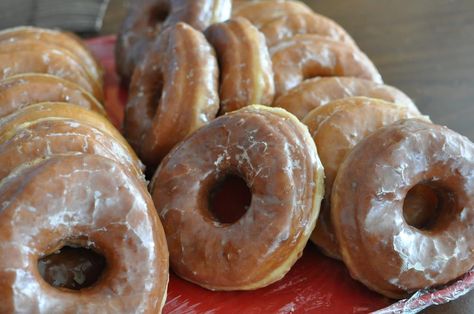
78, 228
221, 92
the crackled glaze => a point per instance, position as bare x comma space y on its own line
22, 90
262, 12
173, 92
307, 56
57, 111
289, 25
146, 19
31, 56
64, 40
47, 137
316, 92
275, 155
84, 200
246, 75
378, 246
336, 129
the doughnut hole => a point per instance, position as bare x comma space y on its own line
229, 199
158, 14
72, 267
429, 206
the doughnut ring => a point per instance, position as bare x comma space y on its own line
63, 40
287, 26
80, 201
28, 56
378, 243
22, 90
271, 10
307, 56
336, 128
316, 92
173, 92
246, 75
63, 111
274, 154
146, 19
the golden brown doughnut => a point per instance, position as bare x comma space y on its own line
67, 41
336, 128
378, 244
86, 201
289, 25
316, 92
22, 90
146, 19
29, 56
47, 137
260, 13
60, 111
307, 56
274, 154
173, 92
246, 75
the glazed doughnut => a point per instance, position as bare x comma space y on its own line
287, 26
316, 92
246, 75
260, 13
28, 56
63, 40
47, 137
308, 56
63, 111
336, 128
379, 245
173, 92
146, 19
22, 90
86, 201
274, 154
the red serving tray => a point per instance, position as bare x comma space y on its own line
316, 284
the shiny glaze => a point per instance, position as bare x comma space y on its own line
63, 40
262, 12
316, 92
274, 153
57, 111
246, 75
173, 92
307, 56
43, 138
22, 90
336, 129
289, 25
378, 246
30, 56
88, 201
146, 19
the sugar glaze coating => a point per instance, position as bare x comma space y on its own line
377, 244
89, 201
275, 155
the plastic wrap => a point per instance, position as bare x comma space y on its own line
315, 284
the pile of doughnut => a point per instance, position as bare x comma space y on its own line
75, 216
270, 92
262, 126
